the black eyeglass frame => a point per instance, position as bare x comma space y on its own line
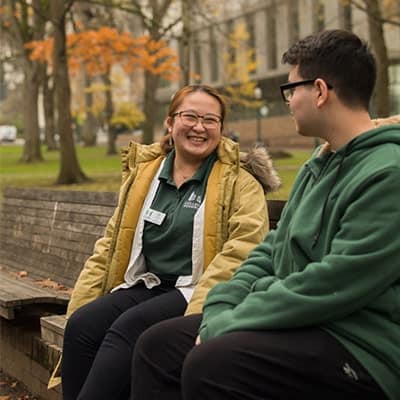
291, 85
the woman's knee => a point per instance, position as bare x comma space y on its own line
82, 322
75, 323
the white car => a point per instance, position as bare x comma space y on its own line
8, 133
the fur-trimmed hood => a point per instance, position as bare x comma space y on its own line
258, 162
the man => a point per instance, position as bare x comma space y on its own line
314, 312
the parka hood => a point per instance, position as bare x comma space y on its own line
257, 161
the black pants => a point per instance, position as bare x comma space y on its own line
100, 337
258, 365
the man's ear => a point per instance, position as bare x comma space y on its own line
322, 91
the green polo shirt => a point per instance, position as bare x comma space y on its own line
167, 245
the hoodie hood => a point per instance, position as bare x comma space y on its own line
384, 133
374, 138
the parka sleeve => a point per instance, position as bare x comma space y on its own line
247, 226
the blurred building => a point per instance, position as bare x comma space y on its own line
272, 27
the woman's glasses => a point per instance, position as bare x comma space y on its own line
190, 118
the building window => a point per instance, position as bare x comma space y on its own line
345, 15
271, 39
213, 54
294, 28
318, 15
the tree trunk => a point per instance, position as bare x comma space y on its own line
89, 125
376, 37
48, 107
108, 113
150, 87
186, 42
70, 171
31, 150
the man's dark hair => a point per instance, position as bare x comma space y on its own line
339, 57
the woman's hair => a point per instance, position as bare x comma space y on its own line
178, 99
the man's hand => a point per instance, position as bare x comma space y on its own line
198, 340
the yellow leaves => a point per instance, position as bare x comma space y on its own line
127, 115
239, 35
240, 70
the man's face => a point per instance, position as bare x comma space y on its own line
301, 104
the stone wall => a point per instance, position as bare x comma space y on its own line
25, 356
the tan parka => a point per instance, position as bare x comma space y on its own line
235, 220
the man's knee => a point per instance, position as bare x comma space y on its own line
151, 341
203, 364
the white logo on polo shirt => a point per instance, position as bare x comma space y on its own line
193, 201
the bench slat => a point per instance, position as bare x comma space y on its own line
17, 292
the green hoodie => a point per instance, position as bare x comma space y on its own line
333, 260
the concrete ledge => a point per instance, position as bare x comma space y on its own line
52, 329
24, 355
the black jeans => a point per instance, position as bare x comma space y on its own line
250, 365
100, 338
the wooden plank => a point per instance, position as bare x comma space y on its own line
81, 197
275, 208
55, 323
7, 313
17, 292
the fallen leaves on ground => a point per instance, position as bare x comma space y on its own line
49, 283
11, 389
22, 274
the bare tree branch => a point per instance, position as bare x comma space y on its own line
380, 19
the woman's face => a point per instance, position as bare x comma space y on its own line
198, 141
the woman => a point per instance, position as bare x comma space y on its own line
187, 216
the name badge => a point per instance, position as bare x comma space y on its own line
154, 216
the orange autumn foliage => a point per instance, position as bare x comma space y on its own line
98, 50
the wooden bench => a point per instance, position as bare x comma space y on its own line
52, 327
45, 238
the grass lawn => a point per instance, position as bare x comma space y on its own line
104, 170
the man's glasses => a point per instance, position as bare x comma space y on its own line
287, 89
190, 118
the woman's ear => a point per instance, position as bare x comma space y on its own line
168, 124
